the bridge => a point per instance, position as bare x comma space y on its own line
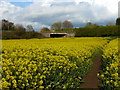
57, 34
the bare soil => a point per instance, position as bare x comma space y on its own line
91, 79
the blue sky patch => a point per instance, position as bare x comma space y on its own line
21, 4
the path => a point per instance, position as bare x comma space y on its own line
91, 79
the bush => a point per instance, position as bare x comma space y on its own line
20, 35
97, 31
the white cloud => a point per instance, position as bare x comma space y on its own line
46, 12
119, 9
18, 0
112, 5
6, 9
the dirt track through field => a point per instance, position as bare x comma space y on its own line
91, 79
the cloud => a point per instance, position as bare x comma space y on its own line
44, 13
7, 9
119, 9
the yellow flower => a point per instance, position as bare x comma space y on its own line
98, 74
115, 83
102, 75
41, 82
107, 82
14, 81
14, 85
111, 81
23, 85
107, 68
41, 87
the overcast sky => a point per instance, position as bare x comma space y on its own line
42, 13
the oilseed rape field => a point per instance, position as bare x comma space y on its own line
58, 62
110, 74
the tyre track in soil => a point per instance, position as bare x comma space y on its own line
91, 79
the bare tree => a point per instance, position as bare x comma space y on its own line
44, 29
30, 28
67, 25
6, 25
56, 26
19, 28
90, 24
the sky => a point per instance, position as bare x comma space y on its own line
21, 4
43, 13
119, 9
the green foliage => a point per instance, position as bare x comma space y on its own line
11, 31
91, 25
48, 63
20, 35
118, 21
56, 25
62, 25
45, 29
98, 31
110, 71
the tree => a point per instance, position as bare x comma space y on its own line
30, 28
91, 25
67, 25
44, 29
56, 25
118, 21
6, 25
19, 28
11, 26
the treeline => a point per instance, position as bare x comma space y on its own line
99, 31
93, 30
89, 30
12, 31
65, 26
21, 35
10, 26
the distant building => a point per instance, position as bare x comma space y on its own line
52, 30
56, 34
48, 30
51, 33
